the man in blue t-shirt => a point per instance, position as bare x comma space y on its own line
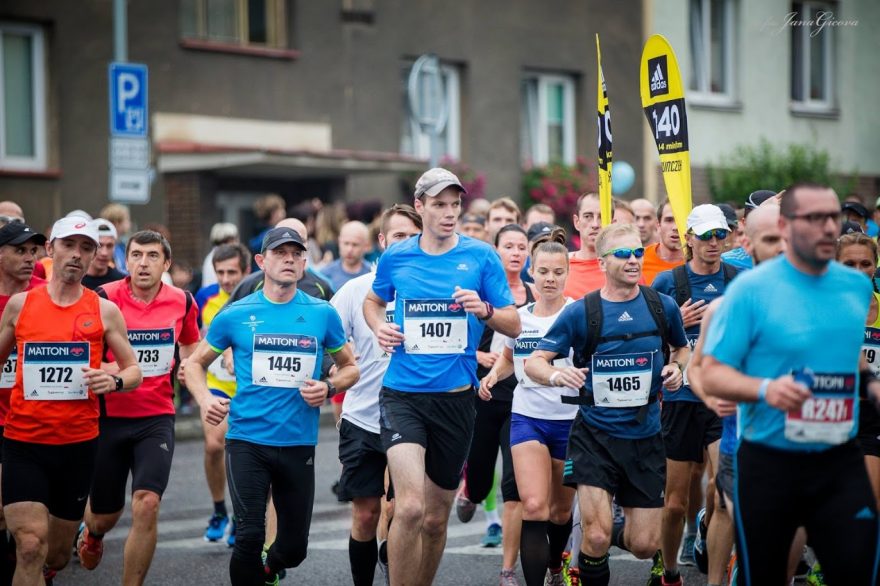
689, 426
786, 344
615, 447
446, 286
277, 336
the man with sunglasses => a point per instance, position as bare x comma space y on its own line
785, 344
616, 447
689, 427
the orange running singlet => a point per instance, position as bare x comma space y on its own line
54, 343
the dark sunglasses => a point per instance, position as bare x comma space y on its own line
625, 253
717, 233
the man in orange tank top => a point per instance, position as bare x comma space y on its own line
61, 332
585, 274
666, 254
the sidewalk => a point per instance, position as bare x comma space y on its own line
189, 427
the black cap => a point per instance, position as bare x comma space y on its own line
15, 233
278, 236
856, 208
473, 219
539, 228
850, 228
729, 214
756, 198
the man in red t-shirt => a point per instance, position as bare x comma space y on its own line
584, 272
137, 428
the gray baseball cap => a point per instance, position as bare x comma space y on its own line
435, 180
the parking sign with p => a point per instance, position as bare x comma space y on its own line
128, 99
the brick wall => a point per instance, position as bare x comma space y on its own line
183, 195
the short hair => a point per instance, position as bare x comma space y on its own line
507, 204
661, 207
613, 231
788, 205
223, 231
115, 212
227, 251
510, 228
267, 204
399, 209
619, 204
540, 208
145, 237
580, 200
857, 239
549, 247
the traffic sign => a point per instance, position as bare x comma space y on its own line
129, 153
128, 99
130, 185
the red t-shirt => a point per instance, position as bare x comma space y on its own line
7, 375
153, 330
584, 276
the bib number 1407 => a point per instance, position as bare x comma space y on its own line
436, 329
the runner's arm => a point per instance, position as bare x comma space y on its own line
7, 325
314, 393
387, 334
505, 321
501, 369
673, 373
725, 382
721, 407
213, 408
540, 369
116, 336
186, 350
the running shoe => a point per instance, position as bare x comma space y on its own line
676, 582
508, 578
492, 538
573, 577
383, 562
656, 569
554, 578
464, 509
230, 537
216, 527
617, 512
815, 576
686, 554
701, 555
90, 549
264, 556
732, 570
48, 575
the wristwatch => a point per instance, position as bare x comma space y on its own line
490, 311
331, 388
119, 383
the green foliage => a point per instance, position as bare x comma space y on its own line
766, 166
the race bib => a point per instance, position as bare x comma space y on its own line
522, 349
218, 370
827, 416
7, 376
434, 326
692, 343
622, 380
389, 319
154, 350
52, 371
283, 360
871, 349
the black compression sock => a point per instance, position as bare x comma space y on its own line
363, 556
534, 551
220, 508
671, 575
594, 571
557, 535
617, 536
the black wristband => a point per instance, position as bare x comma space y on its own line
490, 311
866, 377
331, 389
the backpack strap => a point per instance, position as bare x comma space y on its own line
594, 315
655, 306
730, 272
682, 285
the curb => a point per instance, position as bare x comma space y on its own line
189, 427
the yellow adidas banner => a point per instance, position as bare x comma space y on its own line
604, 129
663, 102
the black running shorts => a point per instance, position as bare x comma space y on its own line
363, 462
688, 429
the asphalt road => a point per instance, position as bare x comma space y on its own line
184, 558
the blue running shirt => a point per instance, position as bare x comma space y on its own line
640, 355
277, 344
423, 285
776, 319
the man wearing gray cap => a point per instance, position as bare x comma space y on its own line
61, 332
450, 287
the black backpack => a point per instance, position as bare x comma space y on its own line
683, 286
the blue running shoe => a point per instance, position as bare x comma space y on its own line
701, 555
686, 554
216, 527
492, 538
230, 538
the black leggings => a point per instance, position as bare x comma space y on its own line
251, 470
827, 492
491, 431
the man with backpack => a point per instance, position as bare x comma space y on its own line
628, 340
689, 426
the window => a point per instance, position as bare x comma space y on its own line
417, 143
236, 22
711, 35
811, 58
547, 120
22, 98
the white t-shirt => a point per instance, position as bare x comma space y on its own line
529, 398
361, 403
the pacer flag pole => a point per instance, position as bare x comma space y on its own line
663, 102
604, 143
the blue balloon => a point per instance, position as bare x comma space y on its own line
622, 177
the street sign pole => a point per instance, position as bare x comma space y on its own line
129, 145
427, 104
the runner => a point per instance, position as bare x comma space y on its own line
797, 393
231, 263
624, 332
277, 336
646, 220
101, 272
60, 332
585, 274
689, 426
738, 256
427, 398
360, 447
539, 425
137, 428
492, 422
502, 212
473, 225
667, 253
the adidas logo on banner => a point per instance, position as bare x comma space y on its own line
657, 80
710, 288
624, 317
658, 76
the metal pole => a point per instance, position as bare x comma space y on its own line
120, 31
